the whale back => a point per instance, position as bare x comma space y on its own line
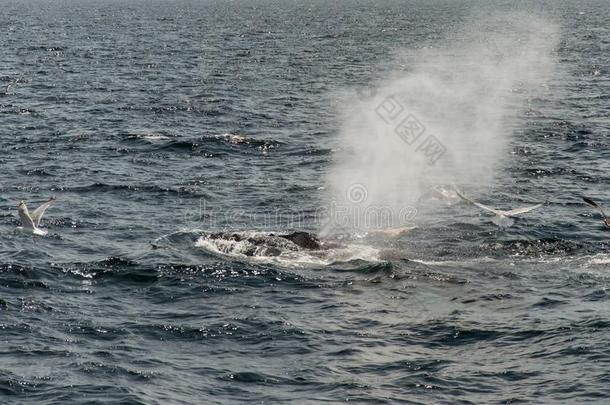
304, 240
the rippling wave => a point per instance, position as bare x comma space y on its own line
160, 126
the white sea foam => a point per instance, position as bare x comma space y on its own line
290, 256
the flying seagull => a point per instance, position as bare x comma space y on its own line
596, 205
503, 217
30, 222
444, 193
8, 87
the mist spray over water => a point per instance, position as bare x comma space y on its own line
448, 119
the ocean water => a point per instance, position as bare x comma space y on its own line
155, 123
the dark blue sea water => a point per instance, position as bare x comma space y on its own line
154, 121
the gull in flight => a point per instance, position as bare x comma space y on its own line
8, 87
502, 218
30, 222
599, 207
444, 193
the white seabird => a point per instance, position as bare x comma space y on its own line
8, 87
444, 193
502, 217
31, 223
599, 207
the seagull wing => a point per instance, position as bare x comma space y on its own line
26, 220
595, 205
39, 212
478, 204
523, 210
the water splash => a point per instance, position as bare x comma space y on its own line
447, 119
